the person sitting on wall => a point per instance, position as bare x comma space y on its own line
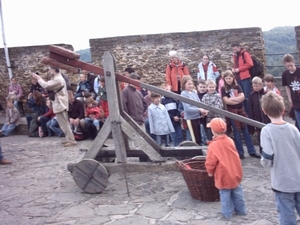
35, 86
207, 70
76, 113
12, 119
83, 87
90, 77
16, 91
175, 70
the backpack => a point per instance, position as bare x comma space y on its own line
257, 69
90, 130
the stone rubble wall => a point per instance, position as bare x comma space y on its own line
24, 61
148, 54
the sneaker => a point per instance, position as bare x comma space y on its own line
68, 144
242, 156
5, 162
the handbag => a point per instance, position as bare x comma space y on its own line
51, 94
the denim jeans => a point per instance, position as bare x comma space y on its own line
1, 155
95, 122
165, 137
238, 139
53, 126
246, 87
8, 128
44, 120
232, 200
286, 204
188, 136
176, 137
16, 104
204, 138
297, 118
147, 127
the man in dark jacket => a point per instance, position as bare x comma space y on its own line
76, 113
133, 102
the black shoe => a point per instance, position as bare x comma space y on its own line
242, 156
2, 135
255, 155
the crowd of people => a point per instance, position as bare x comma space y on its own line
76, 115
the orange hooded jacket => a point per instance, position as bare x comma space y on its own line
243, 64
172, 71
223, 162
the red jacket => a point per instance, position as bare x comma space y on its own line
224, 163
243, 64
50, 114
171, 74
94, 110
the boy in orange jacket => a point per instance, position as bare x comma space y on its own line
224, 164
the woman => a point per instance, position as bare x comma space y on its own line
175, 70
16, 91
233, 97
207, 70
37, 103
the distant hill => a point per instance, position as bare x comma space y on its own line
278, 41
85, 55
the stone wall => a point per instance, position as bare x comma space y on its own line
148, 53
24, 61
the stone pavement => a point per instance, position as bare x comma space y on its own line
37, 189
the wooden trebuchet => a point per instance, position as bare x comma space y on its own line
52, 62
64, 52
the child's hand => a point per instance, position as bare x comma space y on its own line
210, 175
176, 118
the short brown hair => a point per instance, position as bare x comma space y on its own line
272, 104
88, 101
184, 80
155, 95
269, 78
288, 58
201, 81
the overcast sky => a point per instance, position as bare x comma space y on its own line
40, 22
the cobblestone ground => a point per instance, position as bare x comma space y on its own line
38, 189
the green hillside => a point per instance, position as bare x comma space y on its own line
278, 41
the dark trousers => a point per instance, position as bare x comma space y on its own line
196, 130
44, 120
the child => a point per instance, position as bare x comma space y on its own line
172, 107
283, 157
13, 117
103, 97
269, 84
159, 120
192, 113
212, 98
93, 113
201, 92
83, 86
254, 108
223, 163
233, 97
52, 125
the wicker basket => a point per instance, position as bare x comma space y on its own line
200, 185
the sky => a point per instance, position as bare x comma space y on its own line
43, 22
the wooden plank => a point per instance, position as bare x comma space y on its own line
99, 140
114, 106
90, 176
77, 63
140, 142
192, 102
64, 52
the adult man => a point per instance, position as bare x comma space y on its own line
127, 72
291, 81
76, 113
3, 161
175, 70
133, 102
242, 63
60, 104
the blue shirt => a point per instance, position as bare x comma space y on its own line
191, 112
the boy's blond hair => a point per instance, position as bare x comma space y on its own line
201, 81
208, 82
272, 104
257, 80
164, 85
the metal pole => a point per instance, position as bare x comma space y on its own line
5, 46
